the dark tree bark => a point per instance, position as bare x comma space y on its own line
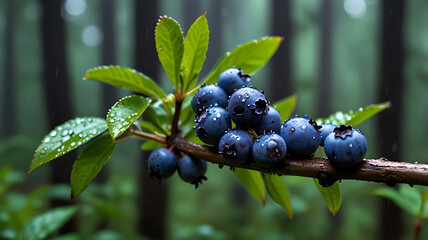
281, 84
153, 197
108, 50
55, 85
8, 92
391, 88
325, 58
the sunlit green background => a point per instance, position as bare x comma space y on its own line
221, 208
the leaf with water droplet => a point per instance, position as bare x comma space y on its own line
354, 118
279, 193
90, 162
332, 196
65, 138
131, 108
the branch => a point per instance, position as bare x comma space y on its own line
373, 170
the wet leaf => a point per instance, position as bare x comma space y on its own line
332, 196
153, 117
253, 182
249, 57
126, 78
286, 106
124, 112
169, 45
67, 137
354, 118
43, 225
90, 162
278, 192
195, 49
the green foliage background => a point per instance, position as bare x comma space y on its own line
221, 209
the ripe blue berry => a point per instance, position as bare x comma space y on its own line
326, 129
302, 136
233, 79
247, 106
345, 147
269, 149
211, 124
271, 122
192, 170
162, 164
209, 96
235, 146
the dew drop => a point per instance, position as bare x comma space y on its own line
122, 119
47, 139
72, 144
80, 135
218, 115
243, 100
214, 119
313, 138
112, 115
93, 131
64, 133
350, 145
304, 127
111, 120
66, 138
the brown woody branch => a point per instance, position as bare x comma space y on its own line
373, 170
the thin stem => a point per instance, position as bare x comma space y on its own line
157, 138
178, 103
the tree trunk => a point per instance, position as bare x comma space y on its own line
153, 197
325, 58
108, 50
391, 88
56, 84
8, 93
281, 84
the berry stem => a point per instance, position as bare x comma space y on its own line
176, 118
373, 170
157, 138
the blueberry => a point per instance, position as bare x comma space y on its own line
211, 124
233, 79
302, 136
209, 96
345, 147
269, 149
326, 129
247, 106
162, 164
235, 146
192, 170
271, 122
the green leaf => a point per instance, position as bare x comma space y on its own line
332, 196
169, 45
89, 163
152, 116
278, 192
354, 118
124, 112
286, 106
253, 182
195, 49
47, 223
67, 137
126, 78
151, 145
407, 198
249, 57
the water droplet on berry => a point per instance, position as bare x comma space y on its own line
350, 145
304, 127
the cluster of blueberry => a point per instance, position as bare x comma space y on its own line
248, 108
259, 134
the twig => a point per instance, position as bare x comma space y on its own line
374, 170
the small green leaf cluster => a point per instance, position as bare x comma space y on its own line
159, 117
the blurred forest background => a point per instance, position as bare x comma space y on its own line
337, 55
